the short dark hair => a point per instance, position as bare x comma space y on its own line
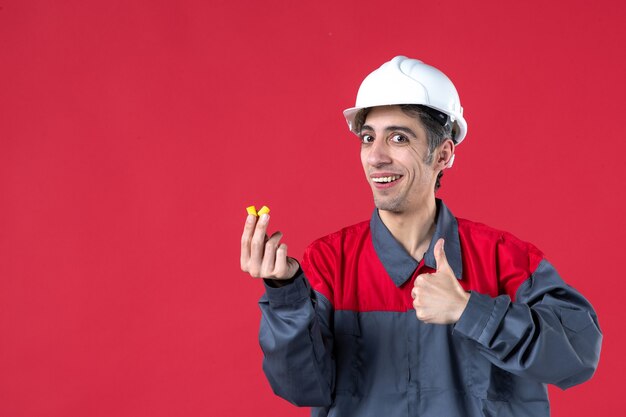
436, 133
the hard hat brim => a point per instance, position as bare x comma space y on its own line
459, 125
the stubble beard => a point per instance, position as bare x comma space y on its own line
393, 204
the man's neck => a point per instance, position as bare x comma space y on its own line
415, 229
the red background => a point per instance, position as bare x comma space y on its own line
133, 134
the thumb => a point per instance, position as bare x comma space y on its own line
440, 256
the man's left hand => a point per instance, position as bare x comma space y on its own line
438, 298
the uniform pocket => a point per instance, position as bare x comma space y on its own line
347, 348
487, 381
575, 320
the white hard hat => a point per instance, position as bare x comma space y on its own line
409, 81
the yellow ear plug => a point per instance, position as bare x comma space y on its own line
251, 210
264, 210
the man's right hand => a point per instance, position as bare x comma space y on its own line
264, 257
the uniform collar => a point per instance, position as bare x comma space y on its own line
399, 264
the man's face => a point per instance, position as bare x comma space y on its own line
393, 150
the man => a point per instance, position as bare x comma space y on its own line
416, 312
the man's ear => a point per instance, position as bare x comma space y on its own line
445, 154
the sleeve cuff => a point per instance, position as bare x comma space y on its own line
475, 316
295, 291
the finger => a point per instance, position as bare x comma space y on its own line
269, 256
420, 280
257, 246
285, 267
418, 296
440, 256
246, 239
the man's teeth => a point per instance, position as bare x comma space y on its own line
386, 179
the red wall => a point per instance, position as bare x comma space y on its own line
133, 134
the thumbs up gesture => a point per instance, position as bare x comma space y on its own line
438, 298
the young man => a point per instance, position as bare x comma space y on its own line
416, 312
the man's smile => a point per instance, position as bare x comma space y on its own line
385, 180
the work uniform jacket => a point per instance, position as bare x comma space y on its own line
343, 336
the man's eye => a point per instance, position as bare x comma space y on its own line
367, 138
399, 138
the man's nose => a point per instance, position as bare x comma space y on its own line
378, 154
